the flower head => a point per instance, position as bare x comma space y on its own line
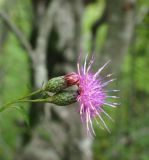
92, 95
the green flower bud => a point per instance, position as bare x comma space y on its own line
64, 98
55, 84
58, 84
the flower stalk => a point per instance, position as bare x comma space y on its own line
62, 98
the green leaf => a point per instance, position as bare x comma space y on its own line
24, 113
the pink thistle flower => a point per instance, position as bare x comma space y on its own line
92, 95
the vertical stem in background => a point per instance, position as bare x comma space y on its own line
132, 97
38, 70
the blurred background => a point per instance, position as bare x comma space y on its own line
41, 39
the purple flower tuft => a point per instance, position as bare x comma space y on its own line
92, 95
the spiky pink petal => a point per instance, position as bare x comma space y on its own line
92, 95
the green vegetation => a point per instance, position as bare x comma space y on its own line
129, 137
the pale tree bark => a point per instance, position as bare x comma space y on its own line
119, 15
56, 132
121, 20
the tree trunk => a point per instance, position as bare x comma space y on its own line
120, 17
56, 132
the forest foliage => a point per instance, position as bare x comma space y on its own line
129, 133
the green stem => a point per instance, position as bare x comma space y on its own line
21, 98
35, 100
8, 105
31, 94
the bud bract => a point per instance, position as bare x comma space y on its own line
55, 84
64, 98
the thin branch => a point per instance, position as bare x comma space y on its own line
96, 25
21, 37
45, 27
